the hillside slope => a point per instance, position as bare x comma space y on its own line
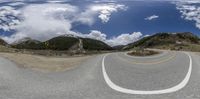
91, 44
175, 41
27, 43
2, 42
62, 43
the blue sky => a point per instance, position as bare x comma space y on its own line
116, 23
133, 19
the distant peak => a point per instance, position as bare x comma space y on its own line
69, 35
24, 40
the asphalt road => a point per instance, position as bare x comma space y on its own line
170, 75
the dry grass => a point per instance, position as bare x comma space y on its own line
143, 53
183, 47
43, 63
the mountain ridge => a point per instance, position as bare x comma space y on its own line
165, 40
63, 42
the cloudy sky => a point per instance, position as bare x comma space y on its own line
116, 22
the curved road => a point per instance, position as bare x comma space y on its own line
170, 75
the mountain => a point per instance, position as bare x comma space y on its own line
167, 41
60, 43
27, 43
64, 42
2, 42
92, 44
119, 47
21, 40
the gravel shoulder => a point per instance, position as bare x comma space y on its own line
43, 63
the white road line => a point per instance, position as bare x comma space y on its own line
141, 92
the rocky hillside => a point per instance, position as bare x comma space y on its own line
27, 43
91, 44
167, 41
119, 47
62, 43
2, 42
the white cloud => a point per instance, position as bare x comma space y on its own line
146, 35
95, 34
16, 4
190, 10
8, 18
124, 39
187, 1
103, 11
45, 21
73, 14
152, 17
100, 1
55, 1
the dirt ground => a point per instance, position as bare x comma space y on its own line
44, 64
